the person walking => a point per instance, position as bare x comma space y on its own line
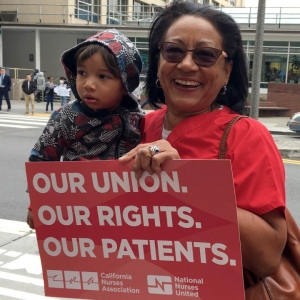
29, 87
40, 83
49, 92
5, 84
62, 91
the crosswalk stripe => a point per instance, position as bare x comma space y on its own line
17, 126
22, 122
23, 295
23, 117
21, 278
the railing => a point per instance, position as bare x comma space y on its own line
137, 14
19, 73
273, 15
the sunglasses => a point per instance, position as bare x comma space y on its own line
202, 56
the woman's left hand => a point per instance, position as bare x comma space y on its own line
144, 161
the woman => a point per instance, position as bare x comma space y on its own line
197, 67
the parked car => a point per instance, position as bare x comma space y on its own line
294, 122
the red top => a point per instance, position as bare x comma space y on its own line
257, 167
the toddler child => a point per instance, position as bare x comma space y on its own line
103, 122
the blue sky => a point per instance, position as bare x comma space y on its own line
274, 3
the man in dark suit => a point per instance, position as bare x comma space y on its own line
5, 84
29, 87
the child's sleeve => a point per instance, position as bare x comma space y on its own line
49, 146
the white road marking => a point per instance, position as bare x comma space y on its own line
22, 122
23, 295
21, 278
16, 126
31, 263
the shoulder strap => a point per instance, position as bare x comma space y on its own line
223, 143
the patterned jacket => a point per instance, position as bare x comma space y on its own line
75, 132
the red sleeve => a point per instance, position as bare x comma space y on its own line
257, 166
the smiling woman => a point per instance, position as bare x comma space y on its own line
197, 68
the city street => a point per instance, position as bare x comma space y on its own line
20, 269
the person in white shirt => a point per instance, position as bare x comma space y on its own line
62, 91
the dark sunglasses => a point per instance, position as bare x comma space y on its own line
202, 56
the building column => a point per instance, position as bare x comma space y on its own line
129, 10
104, 12
37, 50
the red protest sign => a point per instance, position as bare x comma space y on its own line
102, 234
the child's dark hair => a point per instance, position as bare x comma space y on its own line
108, 57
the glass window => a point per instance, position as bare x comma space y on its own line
273, 69
144, 55
294, 50
294, 69
275, 43
295, 44
141, 40
87, 10
275, 49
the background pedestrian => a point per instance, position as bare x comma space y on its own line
5, 84
29, 87
49, 92
40, 83
62, 91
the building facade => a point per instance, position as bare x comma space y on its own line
35, 35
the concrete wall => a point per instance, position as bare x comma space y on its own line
18, 46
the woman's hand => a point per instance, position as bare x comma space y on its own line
144, 161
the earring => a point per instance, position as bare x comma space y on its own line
223, 90
157, 83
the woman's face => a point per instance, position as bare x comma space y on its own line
189, 88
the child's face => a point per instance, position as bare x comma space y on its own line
97, 86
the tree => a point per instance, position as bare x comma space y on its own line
295, 63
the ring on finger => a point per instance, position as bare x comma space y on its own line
153, 150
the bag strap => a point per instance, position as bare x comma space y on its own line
223, 143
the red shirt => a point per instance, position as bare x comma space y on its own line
257, 167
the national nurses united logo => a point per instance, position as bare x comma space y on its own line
161, 285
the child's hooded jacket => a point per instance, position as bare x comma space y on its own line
77, 132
